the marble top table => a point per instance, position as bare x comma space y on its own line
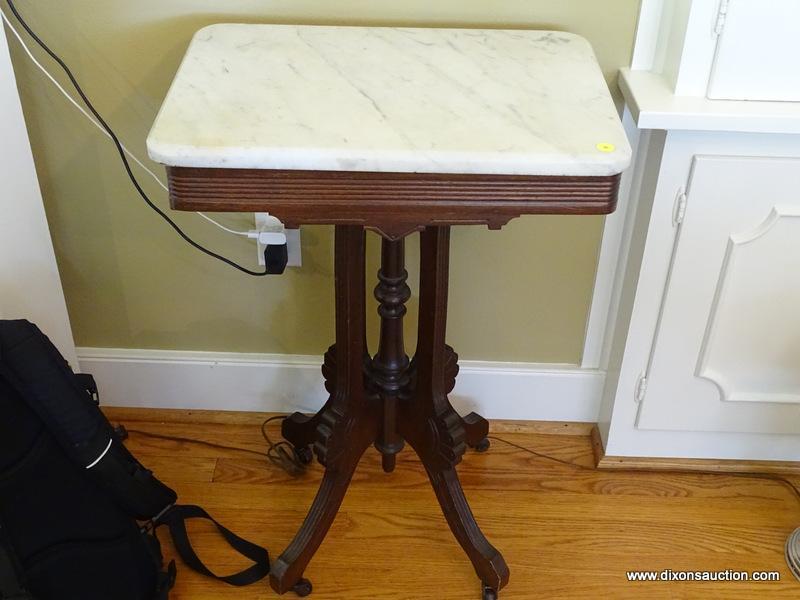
394, 130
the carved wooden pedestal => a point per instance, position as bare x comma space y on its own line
388, 400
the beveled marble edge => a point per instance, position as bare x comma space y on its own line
385, 162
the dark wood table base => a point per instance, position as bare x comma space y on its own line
387, 400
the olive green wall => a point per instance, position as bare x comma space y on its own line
517, 295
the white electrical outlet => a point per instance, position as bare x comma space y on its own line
293, 246
266, 222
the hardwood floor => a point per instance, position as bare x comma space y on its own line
566, 531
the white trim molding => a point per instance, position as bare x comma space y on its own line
599, 324
30, 286
285, 383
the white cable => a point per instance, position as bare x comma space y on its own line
102, 454
221, 226
94, 122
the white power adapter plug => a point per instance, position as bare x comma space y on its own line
271, 232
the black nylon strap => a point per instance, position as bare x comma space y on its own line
176, 518
166, 582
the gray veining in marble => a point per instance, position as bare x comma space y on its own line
390, 99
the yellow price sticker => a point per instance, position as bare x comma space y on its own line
606, 147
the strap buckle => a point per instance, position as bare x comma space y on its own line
89, 385
150, 526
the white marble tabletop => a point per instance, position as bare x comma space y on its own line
514, 102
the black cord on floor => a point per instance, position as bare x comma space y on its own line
790, 485
121, 151
187, 440
540, 455
279, 453
280, 459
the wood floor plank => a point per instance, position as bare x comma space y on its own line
181, 469
567, 532
475, 471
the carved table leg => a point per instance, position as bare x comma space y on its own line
475, 426
301, 430
428, 421
476, 429
348, 424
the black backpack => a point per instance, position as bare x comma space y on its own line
78, 513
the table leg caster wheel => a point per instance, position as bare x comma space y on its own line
304, 455
489, 593
483, 445
302, 588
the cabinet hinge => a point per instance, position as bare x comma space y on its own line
680, 208
722, 15
641, 388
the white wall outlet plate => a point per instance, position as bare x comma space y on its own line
293, 246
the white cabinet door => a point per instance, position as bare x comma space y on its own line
726, 351
757, 52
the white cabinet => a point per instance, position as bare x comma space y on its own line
757, 51
722, 49
702, 348
726, 352
704, 358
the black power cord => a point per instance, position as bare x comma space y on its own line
787, 483
281, 454
198, 442
295, 465
124, 158
284, 454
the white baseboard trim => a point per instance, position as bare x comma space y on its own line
285, 383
